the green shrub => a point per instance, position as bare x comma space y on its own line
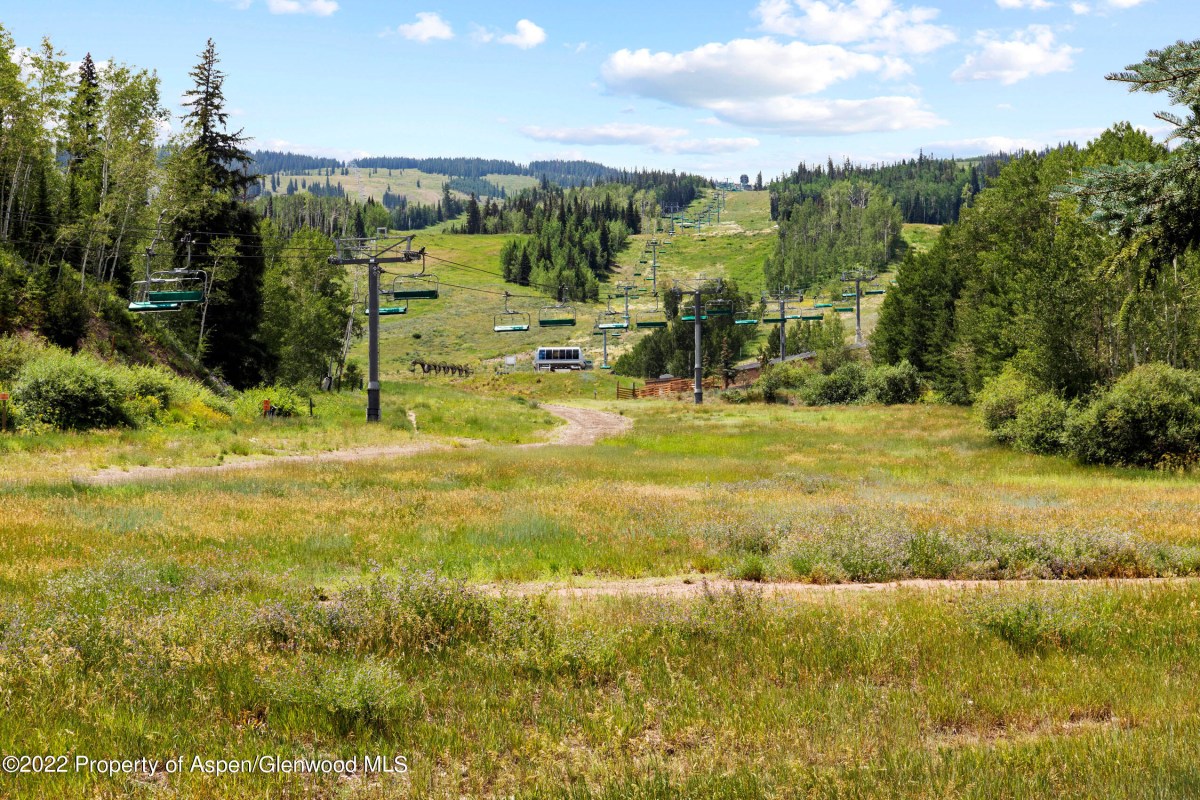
1037, 624
15, 352
69, 392
894, 384
1041, 424
1150, 417
999, 401
779, 377
143, 381
846, 384
286, 401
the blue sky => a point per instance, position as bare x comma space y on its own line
719, 88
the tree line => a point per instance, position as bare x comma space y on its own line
850, 224
91, 202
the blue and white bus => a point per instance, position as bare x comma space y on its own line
553, 359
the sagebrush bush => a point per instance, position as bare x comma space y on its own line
846, 384
1034, 624
1150, 417
894, 384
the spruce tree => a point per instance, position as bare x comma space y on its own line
222, 152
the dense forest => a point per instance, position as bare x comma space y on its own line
1066, 300
573, 235
80, 155
851, 224
927, 190
563, 173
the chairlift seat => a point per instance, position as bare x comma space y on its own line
613, 326
181, 296
556, 322
844, 309
518, 328
141, 308
415, 294
822, 305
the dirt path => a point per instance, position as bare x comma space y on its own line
113, 476
584, 427
696, 585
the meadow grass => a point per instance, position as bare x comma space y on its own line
381, 608
336, 610
734, 694
920, 237
441, 409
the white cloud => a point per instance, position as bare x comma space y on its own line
527, 35
707, 146
660, 139
608, 133
823, 116
1102, 6
877, 24
987, 144
709, 121
1032, 51
762, 84
1032, 5
428, 27
320, 8
746, 68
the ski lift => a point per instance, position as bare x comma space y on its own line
416, 285
510, 320
718, 308
389, 311
874, 291
844, 309
744, 318
170, 290
654, 318
558, 315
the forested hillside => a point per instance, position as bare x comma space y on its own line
927, 190
78, 239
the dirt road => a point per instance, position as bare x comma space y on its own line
584, 428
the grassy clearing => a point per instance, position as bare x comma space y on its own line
915, 695
921, 237
775, 493
336, 424
309, 610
